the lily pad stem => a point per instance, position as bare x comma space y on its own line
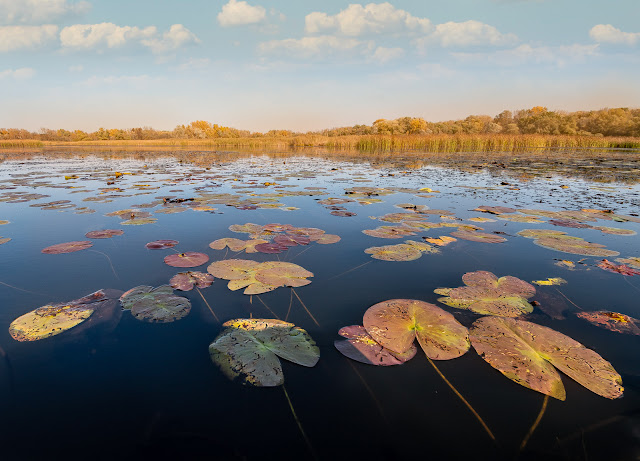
350, 270
304, 435
268, 308
290, 304
305, 307
565, 297
475, 413
534, 426
205, 301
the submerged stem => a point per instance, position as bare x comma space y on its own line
565, 297
305, 307
350, 270
110, 263
268, 308
205, 301
475, 413
369, 390
22, 289
535, 424
304, 435
290, 304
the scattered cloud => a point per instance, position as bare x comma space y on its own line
128, 80
374, 18
317, 46
22, 73
468, 33
382, 55
240, 13
76, 68
106, 34
39, 11
176, 37
20, 37
606, 33
194, 64
555, 55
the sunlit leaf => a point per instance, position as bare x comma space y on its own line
188, 259
161, 244
103, 234
476, 236
67, 247
389, 232
279, 273
232, 243
527, 353
4, 240
441, 241
560, 241
550, 281
185, 281
326, 239
617, 268
248, 349
632, 261
360, 346
396, 323
233, 269
487, 294
613, 321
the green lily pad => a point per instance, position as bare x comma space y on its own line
487, 294
396, 323
159, 304
248, 349
527, 353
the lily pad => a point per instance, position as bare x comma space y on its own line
161, 244
400, 252
159, 304
560, 241
271, 248
441, 241
233, 269
67, 247
53, 319
396, 323
185, 281
4, 240
617, 268
326, 239
475, 236
279, 273
361, 347
248, 349
550, 281
103, 234
188, 259
487, 294
527, 353
633, 261
614, 321
389, 232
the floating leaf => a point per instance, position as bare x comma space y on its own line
291, 240
248, 349
495, 209
566, 264
441, 241
527, 353
633, 261
326, 239
550, 281
161, 244
188, 259
617, 268
487, 294
233, 269
68, 247
271, 248
53, 319
233, 244
138, 221
4, 240
560, 241
389, 232
185, 281
159, 304
396, 323
476, 236
400, 252
343, 213
613, 321
614, 230
361, 347
3, 222
279, 273
103, 234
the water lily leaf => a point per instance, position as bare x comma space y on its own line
495, 209
614, 230
422, 246
292, 240
389, 232
325, 239
233, 269
343, 213
310, 232
441, 241
527, 353
279, 273
161, 244
232, 243
188, 259
3, 222
68, 247
550, 281
159, 304
361, 347
476, 236
481, 220
632, 261
569, 223
614, 321
487, 294
185, 281
560, 241
617, 268
53, 319
103, 234
400, 252
396, 323
138, 221
271, 248
566, 264
4, 240
248, 349
517, 218
248, 228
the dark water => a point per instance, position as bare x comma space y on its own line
127, 389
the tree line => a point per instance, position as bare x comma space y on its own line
537, 120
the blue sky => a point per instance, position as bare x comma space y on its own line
305, 65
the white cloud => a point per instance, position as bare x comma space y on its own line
20, 37
239, 13
307, 47
194, 64
176, 37
374, 18
90, 36
18, 74
39, 11
383, 55
129, 80
556, 55
468, 33
606, 33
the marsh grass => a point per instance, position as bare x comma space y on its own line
367, 143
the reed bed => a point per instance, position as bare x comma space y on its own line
368, 143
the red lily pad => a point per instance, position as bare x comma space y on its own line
103, 234
271, 248
617, 268
185, 281
188, 259
67, 247
291, 240
614, 321
361, 347
161, 244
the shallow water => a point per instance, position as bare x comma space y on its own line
139, 390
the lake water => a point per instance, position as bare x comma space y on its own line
129, 389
